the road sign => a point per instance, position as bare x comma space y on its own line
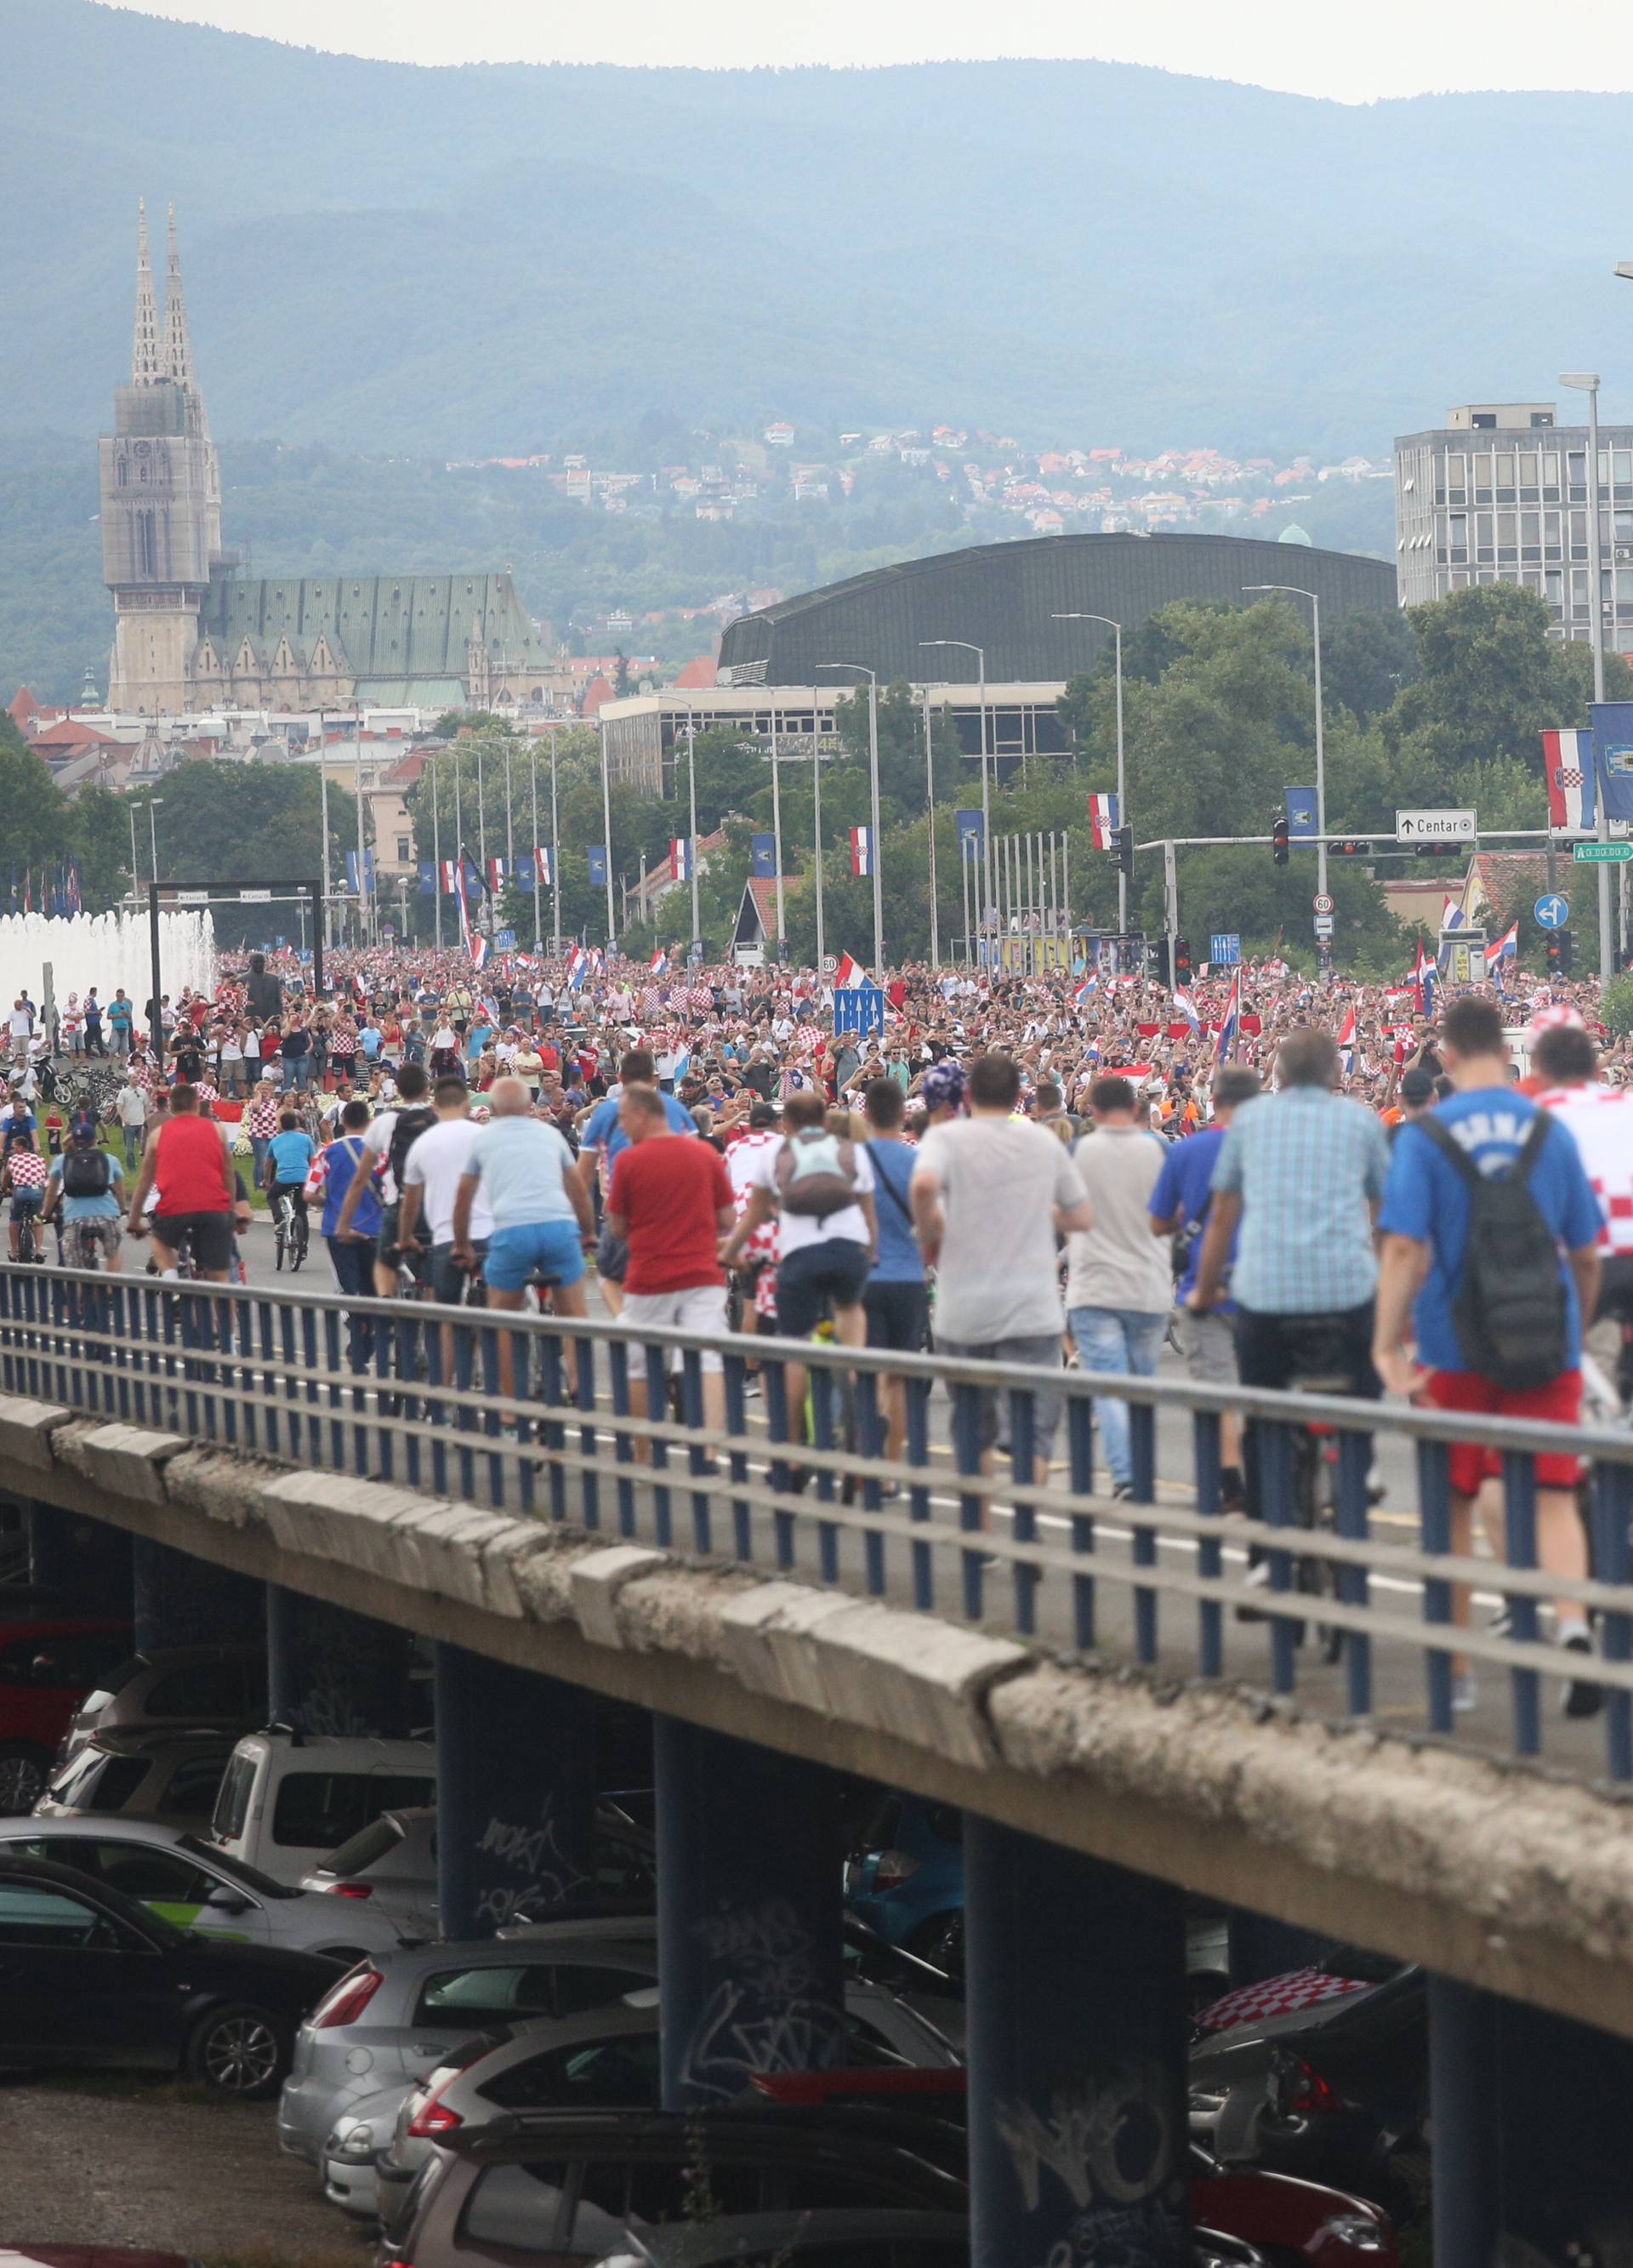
1226, 948
1435, 827
1552, 911
1601, 854
388, 935
507, 940
249, 895
858, 1008
1323, 924
1322, 904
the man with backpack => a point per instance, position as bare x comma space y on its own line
1490, 1232
897, 1298
88, 1183
387, 1138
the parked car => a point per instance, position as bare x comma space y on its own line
392, 2021
48, 1665
170, 1687
174, 1776
607, 2057
180, 1877
860, 2238
288, 1800
90, 1977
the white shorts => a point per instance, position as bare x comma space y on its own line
702, 1308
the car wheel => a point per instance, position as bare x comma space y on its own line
940, 1940
23, 1771
238, 2051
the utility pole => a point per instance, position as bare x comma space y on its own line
606, 825
691, 841
776, 821
874, 862
930, 807
537, 911
510, 825
1115, 628
556, 858
323, 794
436, 850
1586, 381
816, 828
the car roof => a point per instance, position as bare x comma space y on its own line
157, 1741
106, 1827
618, 1927
556, 1941
737, 2234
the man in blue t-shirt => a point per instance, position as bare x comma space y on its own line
1179, 1207
896, 1299
602, 1140
1424, 1225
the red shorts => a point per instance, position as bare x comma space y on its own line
1559, 1401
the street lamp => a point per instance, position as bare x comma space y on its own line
430, 765
690, 730
980, 653
872, 765
1586, 381
1297, 591
154, 803
607, 828
1115, 628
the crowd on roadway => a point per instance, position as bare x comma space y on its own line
1284, 1179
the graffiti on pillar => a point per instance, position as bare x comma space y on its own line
1109, 2142
328, 1704
767, 2014
536, 1869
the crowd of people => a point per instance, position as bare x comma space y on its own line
1286, 1179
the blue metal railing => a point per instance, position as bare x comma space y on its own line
1355, 1611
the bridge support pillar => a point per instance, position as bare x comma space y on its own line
1079, 2137
84, 1562
750, 1857
331, 1671
1466, 2116
181, 1601
515, 1790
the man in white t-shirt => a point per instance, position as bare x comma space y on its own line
430, 1187
1600, 1118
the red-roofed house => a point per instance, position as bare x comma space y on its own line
597, 690
24, 710
698, 676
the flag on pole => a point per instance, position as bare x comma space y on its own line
495, 874
1103, 822
1346, 1044
861, 852
578, 968
479, 949
1568, 766
1423, 981
450, 872
680, 858
1502, 949
1453, 916
544, 866
1187, 1007
1086, 992
848, 973
1231, 1025
659, 964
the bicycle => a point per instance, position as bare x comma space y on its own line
291, 1234
29, 1244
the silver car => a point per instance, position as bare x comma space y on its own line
860, 2236
605, 2058
390, 1866
392, 2021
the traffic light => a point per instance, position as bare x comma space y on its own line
1351, 850
1278, 840
1438, 851
1562, 953
1183, 959
1122, 843
1161, 968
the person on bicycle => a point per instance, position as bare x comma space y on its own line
22, 1179
87, 1185
290, 1154
386, 1141
187, 1161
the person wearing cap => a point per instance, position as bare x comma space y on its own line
1420, 1091
86, 1185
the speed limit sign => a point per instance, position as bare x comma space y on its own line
1323, 903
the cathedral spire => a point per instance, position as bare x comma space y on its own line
144, 364
178, 344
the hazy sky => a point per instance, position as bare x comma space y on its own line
1355, 54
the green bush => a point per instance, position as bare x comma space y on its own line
1617, 1006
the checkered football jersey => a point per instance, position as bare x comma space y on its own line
1601, 1120
1276, 1996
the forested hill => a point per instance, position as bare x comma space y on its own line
482, 260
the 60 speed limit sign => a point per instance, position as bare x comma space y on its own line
1323, 904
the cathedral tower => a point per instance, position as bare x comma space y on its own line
161, 502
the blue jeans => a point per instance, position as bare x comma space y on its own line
259, 1146
1123, 1342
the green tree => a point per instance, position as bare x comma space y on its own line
35, 823
102, 841
1367, 660
233, 823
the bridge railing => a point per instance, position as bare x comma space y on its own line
770, 1454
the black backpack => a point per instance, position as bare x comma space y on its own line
406, 1131
1509, 1311
85, 1173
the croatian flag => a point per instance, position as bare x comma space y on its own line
1103, 821
480, 949
1424, 981
1502, 949
1346, 1044
848, 973
495, 874
450, 873
578, 968
680, 858
1086, 992
1187, 1007
861, 851
1231, 1025
659, 963
1568, 767
1453, 916
544, 866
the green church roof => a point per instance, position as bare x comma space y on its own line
402, 630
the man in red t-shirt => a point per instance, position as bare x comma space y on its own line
672, 1200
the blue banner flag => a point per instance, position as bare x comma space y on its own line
1613, 755
969, 826
428, 877
1302, 825
764, 848
597, 854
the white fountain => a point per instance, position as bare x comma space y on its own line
106, 950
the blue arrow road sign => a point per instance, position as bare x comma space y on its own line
1227, 948
1552, 911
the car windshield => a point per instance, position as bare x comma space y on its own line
223, 1863
97, 1779
365, 1850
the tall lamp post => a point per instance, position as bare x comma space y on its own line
690, 730
607, 828
862, 670
930, 812
1297, 591
1115, 628
1586, 381
154, 803
968, 645
430, 763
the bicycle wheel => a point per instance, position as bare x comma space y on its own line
300, 1238
280, 1238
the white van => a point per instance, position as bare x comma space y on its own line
288, 1799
